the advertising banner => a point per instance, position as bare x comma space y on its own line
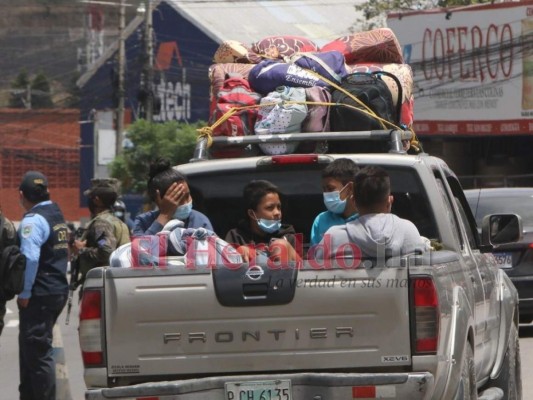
473, 68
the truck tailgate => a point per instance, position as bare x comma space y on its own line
338, 318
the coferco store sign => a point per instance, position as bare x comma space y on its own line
473, 68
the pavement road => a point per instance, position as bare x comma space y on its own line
69, 372
72, 387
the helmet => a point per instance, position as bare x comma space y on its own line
119, 206
119, 209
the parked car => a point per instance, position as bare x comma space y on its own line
516, 258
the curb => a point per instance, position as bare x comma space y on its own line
62, 383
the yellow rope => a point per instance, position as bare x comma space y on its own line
415, 143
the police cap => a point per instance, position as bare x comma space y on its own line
33, 181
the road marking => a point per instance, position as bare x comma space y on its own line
12, 324
62, 384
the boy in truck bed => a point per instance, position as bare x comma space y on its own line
376, 231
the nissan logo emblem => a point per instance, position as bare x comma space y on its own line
255, 272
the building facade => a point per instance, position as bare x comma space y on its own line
46, 140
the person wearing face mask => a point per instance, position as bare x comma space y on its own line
338, 190
169, 190
105, 232
119, 209
261, 227
377, 231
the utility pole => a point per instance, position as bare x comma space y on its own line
149, 78
121, 68
27, 103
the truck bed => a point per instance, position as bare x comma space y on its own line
338, 319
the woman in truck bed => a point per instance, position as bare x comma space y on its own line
169, 190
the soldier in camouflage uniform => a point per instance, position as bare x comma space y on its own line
105, 232
8, 237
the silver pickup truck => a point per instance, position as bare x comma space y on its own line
437, 325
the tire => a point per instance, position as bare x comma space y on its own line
510, 379
467, 386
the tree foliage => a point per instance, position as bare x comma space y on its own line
74, 92
41, 96
147, 141
375, 11
18, 88
30, 93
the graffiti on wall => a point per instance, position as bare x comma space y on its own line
173, 91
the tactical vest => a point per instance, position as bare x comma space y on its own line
51, 276
121, 230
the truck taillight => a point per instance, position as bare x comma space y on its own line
374, 392
91, 329
295, 159
425, 315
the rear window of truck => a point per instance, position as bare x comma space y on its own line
219, 196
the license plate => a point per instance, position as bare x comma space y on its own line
504, 260
260, 390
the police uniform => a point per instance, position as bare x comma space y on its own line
8, 237
43, 237
104, 233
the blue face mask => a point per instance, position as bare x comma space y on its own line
269, 225
333, 202
183, 211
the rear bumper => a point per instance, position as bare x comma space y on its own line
318, 386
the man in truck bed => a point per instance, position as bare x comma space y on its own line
376, 228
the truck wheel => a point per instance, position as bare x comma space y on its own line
468, 376
510, 380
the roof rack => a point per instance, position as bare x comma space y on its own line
394, 137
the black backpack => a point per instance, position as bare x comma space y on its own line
370, 89
374, 93
12, 268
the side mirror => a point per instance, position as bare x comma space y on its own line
499, 229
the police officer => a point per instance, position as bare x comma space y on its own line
105, 232
44, 241
8, 237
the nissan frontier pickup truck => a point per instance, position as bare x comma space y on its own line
438, 324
